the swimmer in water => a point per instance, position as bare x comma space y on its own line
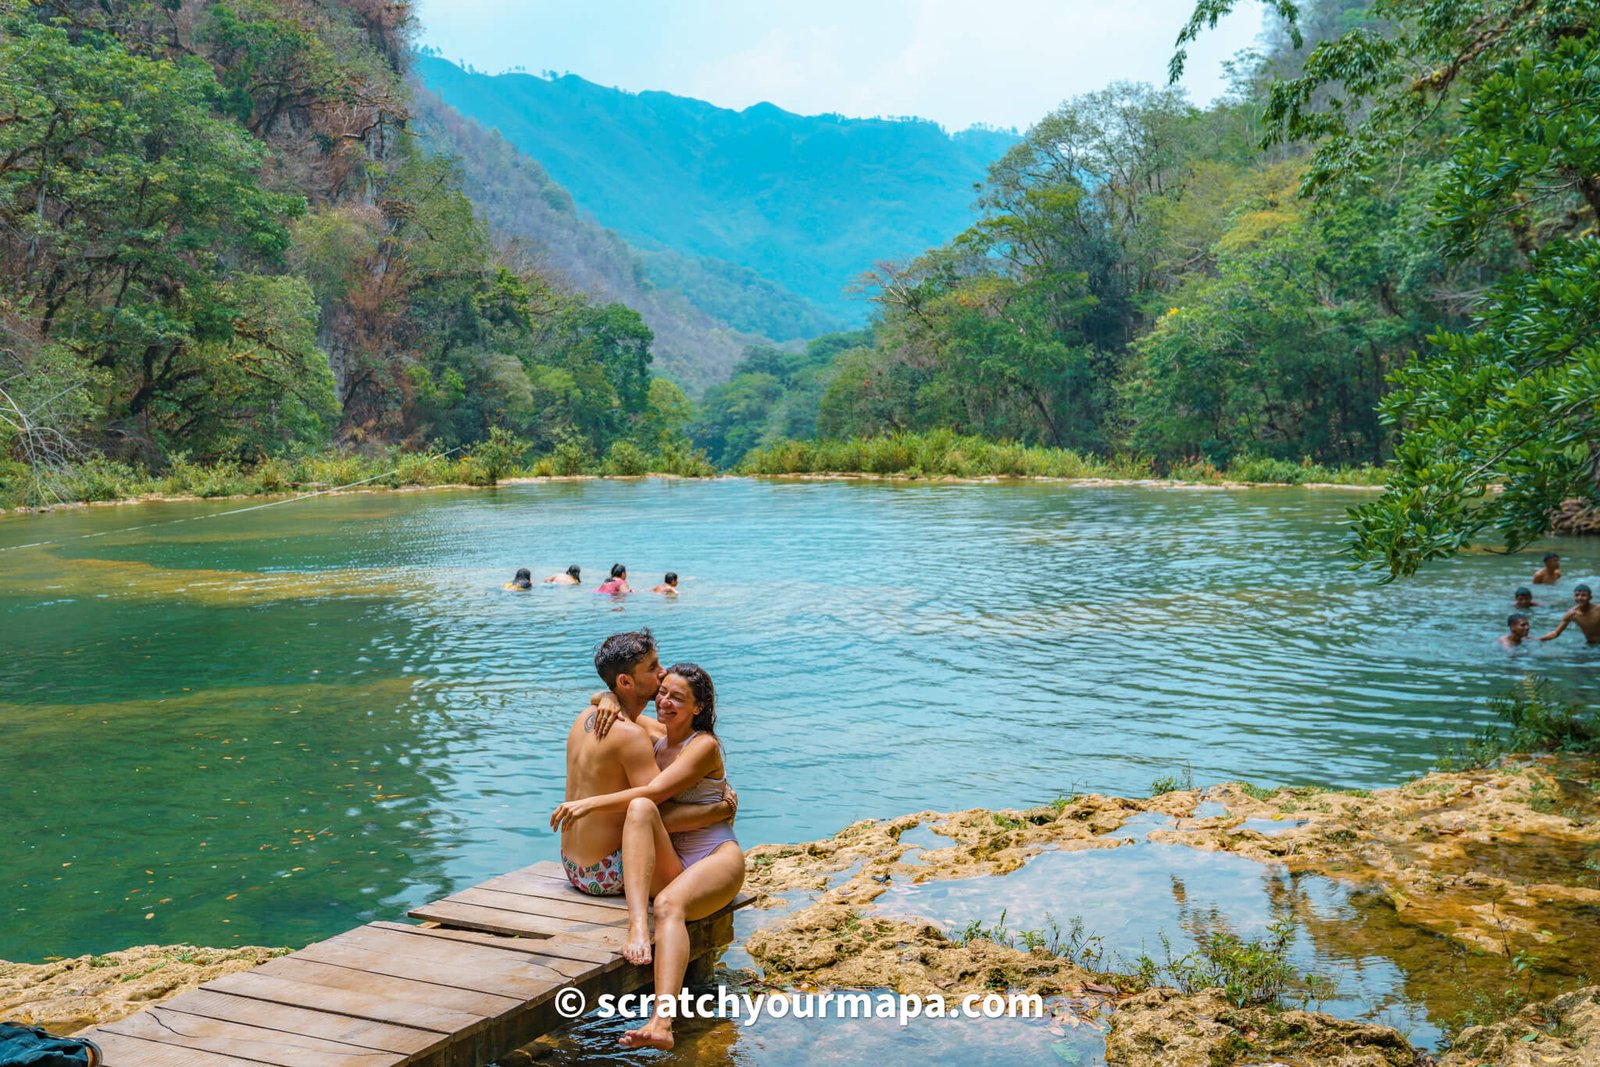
523, 580
1522, 599
569, 577
669, 585
1550, 573
1518, 625
617, 584
1584, 613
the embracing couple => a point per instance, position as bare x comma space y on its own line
648, 811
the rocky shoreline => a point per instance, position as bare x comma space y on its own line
1501, 863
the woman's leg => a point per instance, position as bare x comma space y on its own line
703, 888
648, 864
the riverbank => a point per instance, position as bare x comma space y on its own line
933, 457
1500, 866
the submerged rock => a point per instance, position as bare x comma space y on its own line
66, 996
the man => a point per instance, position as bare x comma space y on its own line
571, 577
1584, 613
1518, 624
1522, 599
668, 586
1550, 573
621, 757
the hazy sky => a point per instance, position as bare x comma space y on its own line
1002, 62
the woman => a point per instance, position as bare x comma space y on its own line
617, 583
571, 577
691, 874
523, 581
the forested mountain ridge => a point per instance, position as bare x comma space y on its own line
808, 202
522, 205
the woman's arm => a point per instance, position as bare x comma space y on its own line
697, 760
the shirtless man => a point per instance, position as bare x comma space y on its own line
618, 758
1550, 573
1522, 599
1584, 613
1518, 625
571, 576
669, 585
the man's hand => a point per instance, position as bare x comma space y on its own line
570, 812
606, 710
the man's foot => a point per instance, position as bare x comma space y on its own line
637, 950
648, 1036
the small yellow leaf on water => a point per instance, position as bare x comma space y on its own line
150, 915
148, 871
230, 896
67, 864
164, 900
297, 868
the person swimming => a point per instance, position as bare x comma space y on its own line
568, 577
523, 580
1517, 623
1584, 613
1522, 599
669, 585
1550, 573
617, 584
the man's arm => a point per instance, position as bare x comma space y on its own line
1557, 631
679, 817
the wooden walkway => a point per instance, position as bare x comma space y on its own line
457, 994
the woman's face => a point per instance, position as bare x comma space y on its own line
675, 703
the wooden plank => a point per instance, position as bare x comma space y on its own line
298, 968
164, 1026
500, 921
461, 975
535, 883
123, 1051
547, 907
533, 947
479, 957
382, 1007
309, 1018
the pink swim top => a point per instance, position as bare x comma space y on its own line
610, 585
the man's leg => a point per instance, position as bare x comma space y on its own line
648, 864
703, 889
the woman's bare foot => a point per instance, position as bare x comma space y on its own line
637, 950
657, 1033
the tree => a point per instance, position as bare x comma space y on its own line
1495, 421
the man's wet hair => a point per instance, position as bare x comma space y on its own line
1523, 591
1548, 556
1582, 589
573, 570
1512, 619
618, 570
620, 653
672, 578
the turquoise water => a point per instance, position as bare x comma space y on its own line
267, 727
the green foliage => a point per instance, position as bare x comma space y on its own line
1248, 970
1173, 783
1075, 943
773, 394
1536, 719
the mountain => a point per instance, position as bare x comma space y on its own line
806, 202
521, 203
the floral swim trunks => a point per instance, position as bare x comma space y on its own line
601, 879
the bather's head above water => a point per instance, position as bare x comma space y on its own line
523, 580
1581, 595
1522, 599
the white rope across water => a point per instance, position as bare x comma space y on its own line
220, 514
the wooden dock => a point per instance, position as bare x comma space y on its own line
475, 982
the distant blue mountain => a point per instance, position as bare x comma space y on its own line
807, 202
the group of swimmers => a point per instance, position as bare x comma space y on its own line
1583, 611
616, 585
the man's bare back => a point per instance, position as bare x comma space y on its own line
622, 759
